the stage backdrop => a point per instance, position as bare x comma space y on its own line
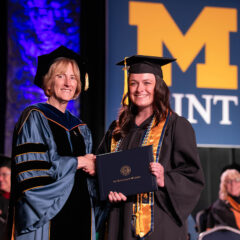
204, 81
35, 28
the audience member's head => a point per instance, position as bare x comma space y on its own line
5, 174
230, 184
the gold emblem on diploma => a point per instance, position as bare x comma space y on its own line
125, 170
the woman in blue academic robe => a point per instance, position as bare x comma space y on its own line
52, 189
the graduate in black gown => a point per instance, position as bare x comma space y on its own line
52, 165
146, 118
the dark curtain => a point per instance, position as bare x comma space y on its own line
3, 69
92, 30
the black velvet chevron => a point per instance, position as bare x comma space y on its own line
32, 165
33, 183
30, 147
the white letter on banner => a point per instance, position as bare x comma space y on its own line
225, 107
178, 102
194, 103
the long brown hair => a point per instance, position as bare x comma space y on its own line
127, 113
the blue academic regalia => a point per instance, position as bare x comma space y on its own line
49, 196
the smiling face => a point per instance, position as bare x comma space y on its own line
141, 90
58, 71
64, 85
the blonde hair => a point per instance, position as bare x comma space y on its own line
229, 174
59, 66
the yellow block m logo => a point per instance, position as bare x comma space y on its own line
210, 30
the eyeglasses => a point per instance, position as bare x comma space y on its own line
4, 175
237, 180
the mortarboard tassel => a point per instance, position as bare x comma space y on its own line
125, 80
86, 82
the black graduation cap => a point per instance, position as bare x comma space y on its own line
142, 64
145, 64
46, 60
5, 161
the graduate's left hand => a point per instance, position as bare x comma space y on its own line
158, 171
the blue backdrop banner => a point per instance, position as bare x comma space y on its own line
204, 81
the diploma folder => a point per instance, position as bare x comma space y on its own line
126, 172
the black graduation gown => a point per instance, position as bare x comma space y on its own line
4, 202
220, 214
183, 182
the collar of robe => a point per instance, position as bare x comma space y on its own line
66, 120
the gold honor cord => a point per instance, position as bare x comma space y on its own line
125, 80
143, 208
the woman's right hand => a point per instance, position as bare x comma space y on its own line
87, 163
115, 197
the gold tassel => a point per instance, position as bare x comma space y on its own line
125, 80
139, 217
137, 229
86, 82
